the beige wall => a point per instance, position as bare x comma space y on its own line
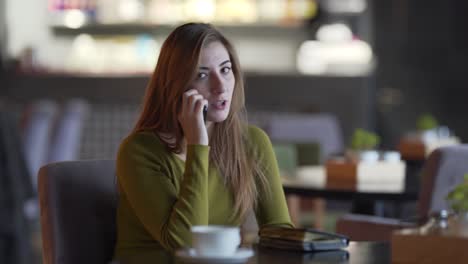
27, 26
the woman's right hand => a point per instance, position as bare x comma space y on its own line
191, 118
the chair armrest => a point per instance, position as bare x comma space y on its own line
369, 228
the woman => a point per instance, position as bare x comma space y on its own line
176, 170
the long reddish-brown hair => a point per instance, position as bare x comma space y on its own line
175, 70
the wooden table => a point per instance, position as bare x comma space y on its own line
355, 253
334, 194
364, 202
373, 201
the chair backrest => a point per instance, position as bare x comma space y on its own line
443, 170
65, 144
322, 128
286, 156
78, 201
38, 127
308, 154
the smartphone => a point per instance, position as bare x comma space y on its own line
205, 111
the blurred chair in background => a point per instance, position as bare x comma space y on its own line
50, 133
322, 129
443, 170
38, 126
286, 156
308, 156
15, 190
65, 144
259, 118
78, 203
53, 133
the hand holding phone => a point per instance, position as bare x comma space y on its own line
192, 117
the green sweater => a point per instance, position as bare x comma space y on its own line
161, 196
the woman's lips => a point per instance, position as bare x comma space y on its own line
219, 105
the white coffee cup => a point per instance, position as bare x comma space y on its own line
215, 240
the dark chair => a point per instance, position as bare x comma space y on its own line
16, 190
78, 201
443, 170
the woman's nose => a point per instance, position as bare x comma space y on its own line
217, 84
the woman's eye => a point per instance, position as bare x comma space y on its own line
201, 75
226, 69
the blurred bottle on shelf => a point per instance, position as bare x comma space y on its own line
345, 6
112, 55
300, 10
165, 11
172, 12
131, 10
107, 11
87, 6
120, 11
27, 61
270, 12
236, 11
199, 10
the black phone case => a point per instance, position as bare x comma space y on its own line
205, 111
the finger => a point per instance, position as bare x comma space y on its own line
186, 96
186, 99
199, 106
190, 92
194, 99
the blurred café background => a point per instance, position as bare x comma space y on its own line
73, 73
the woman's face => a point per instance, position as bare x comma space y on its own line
215, 80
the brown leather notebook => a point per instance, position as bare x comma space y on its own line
306, 239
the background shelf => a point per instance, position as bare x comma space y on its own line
142, 28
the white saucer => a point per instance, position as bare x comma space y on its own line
190, 256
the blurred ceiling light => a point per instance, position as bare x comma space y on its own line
202, 10
235, 11
131, 10
83, 55
271, 11
334, 33
74, 18
275, 11
309, 59
83, 44
165, 12
345, 6
340, 58
355, 51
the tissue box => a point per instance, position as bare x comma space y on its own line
410, 247
380, 176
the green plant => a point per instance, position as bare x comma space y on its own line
426, 122
458, 197
363, 139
